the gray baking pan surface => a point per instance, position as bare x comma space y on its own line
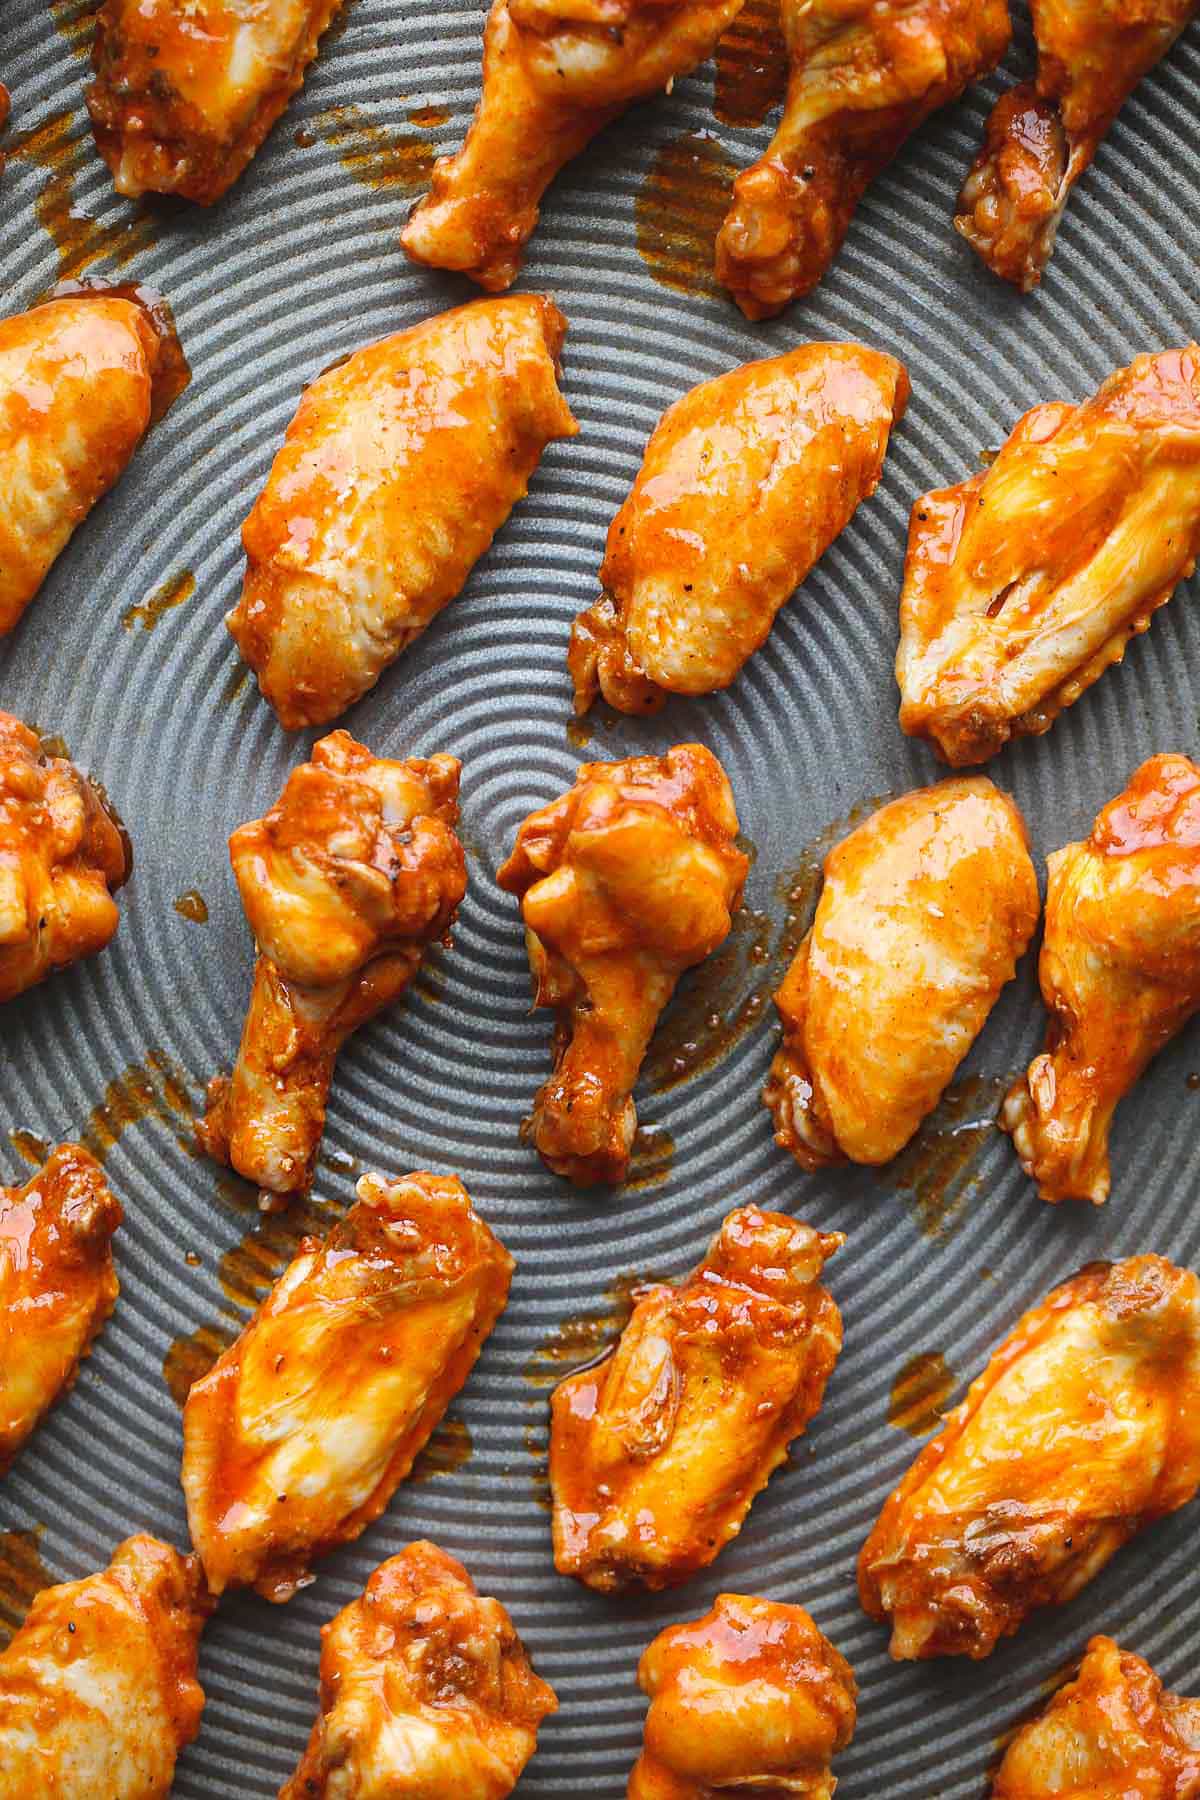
298, 265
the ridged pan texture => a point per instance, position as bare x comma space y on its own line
298, 265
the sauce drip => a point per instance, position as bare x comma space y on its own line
378, 158
35, 1150
579, 733
448, 1449
74, 21
579, 1340
428, 118
23, 1575
192, 1356
919, 1394
192, 906
175, 591
752, 65
238, 677
650, 1164
1193, 1082
5, 109
933, 1171
154, 1089
679, 212
56, 147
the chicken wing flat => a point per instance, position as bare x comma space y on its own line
555, 72
426, 1690
750, 1698
926, 909
63, 852
1026, 582
625, 881
746, 482
1042, 135
186, 90
1082, 1429
81, 379
1111, 1734
301, 1432
1120, 974
397, 471
98, 1689
864, 75
57, 1285
348, 879
657, 1452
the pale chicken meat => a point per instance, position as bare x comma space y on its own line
299, 1435
63, 855
927, 907
625, 881
346, 882
186, 90
752, 1698
1083, 1429
98, 1689
1043, 134
1112, 1733
746, 482
399, 467
1120, 974
82, 377
1025, 582
657, 1452
555, 72
864, 74
427, 1692
57, 1285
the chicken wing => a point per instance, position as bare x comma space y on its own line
1111, 1734
1042, 135
186, 90
397, 471
301, 1432
1083, 1428
925, 911
98, 1689
750, 1698
1025, 582
625, 881
555, 72
82, 377
63, 852
864, 75
1120, 973
746, 481
345, 882
57, 1285
426, 1691
657, 1452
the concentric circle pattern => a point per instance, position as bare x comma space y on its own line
298, 265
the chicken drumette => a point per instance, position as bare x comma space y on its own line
864, 75
555, 72
98, 1689
62, 854
426, 1690
81, 379
925, 910
1083, 1428
1025, 582
625, 881
1111, 1734
657, 1452
186, 90
300, 1433
751, 1698
1120, 973
345, 882
399, 467
57, 1285
746, 481
1042, 135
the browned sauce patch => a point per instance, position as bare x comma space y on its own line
580, 1339
236, 684
175, 591
57, 148
23, 1575
156, 1088
376, 157
428, 983
650, 1164
339, 1162
192, 906
933, 1172
192, 1356
920, 1392
35, 1150
448, 1449
1193, 1082
428, 118
751, 65
74, 21
679, 210
579, 733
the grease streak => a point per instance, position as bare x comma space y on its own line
679, 211
81, 240
35, 1150
376, 157
175, 591
23, 1575
932, 1173
920, 1392
448, 1449
156, 1088
752, 65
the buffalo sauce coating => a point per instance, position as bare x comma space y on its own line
1082, 1429
62, 853
657, 1452
745, 483
751, 1696
298, 1436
